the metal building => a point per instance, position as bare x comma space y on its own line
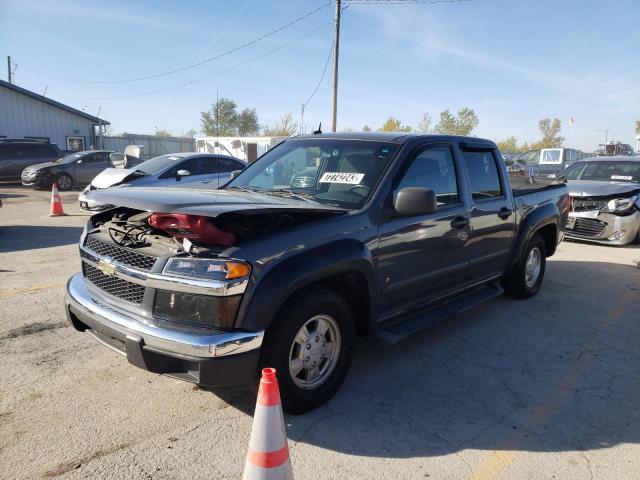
25, 114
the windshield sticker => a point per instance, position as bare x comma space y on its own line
621, 177
342, 177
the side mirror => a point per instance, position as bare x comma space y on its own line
411, 201
182, 173
235, 173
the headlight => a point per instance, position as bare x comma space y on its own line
198, 310
620, 205
207, 268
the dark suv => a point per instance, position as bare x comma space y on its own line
17, 154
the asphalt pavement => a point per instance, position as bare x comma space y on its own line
544, 388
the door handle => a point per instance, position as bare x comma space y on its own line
205, 181
460, 222
505, 213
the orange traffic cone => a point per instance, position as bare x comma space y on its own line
56, 202
268, 455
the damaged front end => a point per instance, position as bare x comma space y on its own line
610, 219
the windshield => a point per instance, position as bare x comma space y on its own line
333, 172
156, 165
552, 157
70, 158
532, 157
603, 171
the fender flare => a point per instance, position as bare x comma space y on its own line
539, 217
272, 287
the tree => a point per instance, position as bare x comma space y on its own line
638, 126
366, 128
550, 133
286, 127
248, 122
509, 144
462, 124
394, 125
189, 133
424, 125
161, 133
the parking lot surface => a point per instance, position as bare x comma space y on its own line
543, 388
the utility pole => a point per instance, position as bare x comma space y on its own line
9, 68
336, 48
606, 135
302, 119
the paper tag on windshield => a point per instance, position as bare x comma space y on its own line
621, 177
342, 177
186, 244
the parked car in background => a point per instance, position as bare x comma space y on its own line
18, 153
185, 170
605, 200
67, 172
545, 161
395, 233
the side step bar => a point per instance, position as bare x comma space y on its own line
395, 332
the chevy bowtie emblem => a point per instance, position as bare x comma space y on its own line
106, 267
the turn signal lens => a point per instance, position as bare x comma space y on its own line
237, 270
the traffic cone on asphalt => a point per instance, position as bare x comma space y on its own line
56, 202
268, 455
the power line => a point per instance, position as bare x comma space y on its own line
226, 27
202, 62
324, 71
216, 74
400, 2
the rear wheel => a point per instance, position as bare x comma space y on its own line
310, 344
525, 279
64, 181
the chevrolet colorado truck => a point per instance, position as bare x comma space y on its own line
388, 234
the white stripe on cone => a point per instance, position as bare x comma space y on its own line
283, 472
268, 434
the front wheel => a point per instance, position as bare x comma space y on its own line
64, 182
310, 344
525, 279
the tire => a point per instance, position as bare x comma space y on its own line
518, 283
307, 310
64, 182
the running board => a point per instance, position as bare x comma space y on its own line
395, 332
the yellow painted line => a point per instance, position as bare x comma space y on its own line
17, 291
498, 461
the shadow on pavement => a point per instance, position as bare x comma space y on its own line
557, 372
26, 237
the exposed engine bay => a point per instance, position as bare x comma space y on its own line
161, 234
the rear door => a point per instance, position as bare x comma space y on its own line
422, 257
491, 216
7, 160
225, 167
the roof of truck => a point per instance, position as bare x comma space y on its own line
395, 137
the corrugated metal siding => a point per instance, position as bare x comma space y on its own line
22, 116
153, 146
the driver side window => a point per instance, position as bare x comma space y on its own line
432, 168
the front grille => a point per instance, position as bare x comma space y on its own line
131, 292
584, 205
120, 254
588, 227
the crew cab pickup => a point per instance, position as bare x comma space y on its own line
387, 234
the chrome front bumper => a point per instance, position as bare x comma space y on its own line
213, 359
616, 229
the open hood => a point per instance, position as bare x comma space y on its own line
586, 188
112, 176
203, 202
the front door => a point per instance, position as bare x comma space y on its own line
92, 164
491, 215
422, 257
200, 175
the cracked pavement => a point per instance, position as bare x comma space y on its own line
543, 388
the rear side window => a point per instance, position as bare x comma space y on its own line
228, 165
40, 151
432, 168
483, 174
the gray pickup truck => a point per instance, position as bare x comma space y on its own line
393, 233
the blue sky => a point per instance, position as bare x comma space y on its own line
512, 61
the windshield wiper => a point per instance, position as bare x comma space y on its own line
242, 189
288, 193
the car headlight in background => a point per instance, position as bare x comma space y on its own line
621, 205
207, 268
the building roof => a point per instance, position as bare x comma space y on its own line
53, 103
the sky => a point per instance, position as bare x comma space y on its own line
512, 61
